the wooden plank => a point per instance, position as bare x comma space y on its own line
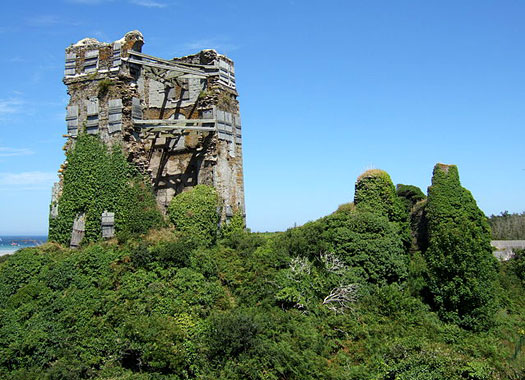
161, 134
90, 54
78, 230
161, 128
169, 63
136, 108
142, 55
166, 67
172, 121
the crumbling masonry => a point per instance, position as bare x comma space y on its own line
178, 120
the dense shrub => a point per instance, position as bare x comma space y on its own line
414, 201
518, 264
195, 212
230, 334
233, 231
375, 192
461, 267
366, 241
98, 180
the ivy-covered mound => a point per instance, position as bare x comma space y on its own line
461, 267
376, 193
97, 179
338, 298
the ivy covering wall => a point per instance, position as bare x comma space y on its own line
97, 179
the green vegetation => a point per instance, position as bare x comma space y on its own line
96, 180
194, 212
415, 204
375, 192
103, 87
338, 298
506, 226
461, 267
410, 195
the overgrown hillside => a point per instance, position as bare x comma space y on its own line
367, 292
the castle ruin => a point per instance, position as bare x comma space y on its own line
177, 120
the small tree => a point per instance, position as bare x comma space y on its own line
461, 267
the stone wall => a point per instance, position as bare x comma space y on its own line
505, 249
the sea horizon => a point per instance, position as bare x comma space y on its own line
9, 244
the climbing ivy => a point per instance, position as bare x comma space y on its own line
461, 267
409, 195
195, 212
98, 179
375, 192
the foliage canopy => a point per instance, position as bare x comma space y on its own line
337, 298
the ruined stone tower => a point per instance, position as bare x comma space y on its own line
177, 120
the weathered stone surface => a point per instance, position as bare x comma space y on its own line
505, 249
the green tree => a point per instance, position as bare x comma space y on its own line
461, 267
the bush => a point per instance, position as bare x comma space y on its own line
233, 231
230, 334
367, 242
375, 192
461, 267
195, 212
518, 264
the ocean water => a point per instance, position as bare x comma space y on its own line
11, 244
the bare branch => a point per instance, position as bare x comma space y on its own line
332, 263
341, 297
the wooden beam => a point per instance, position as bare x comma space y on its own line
181, 74
173, 121
142, 55
163, 62
171, 128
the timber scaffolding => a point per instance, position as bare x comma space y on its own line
177, 120
175, 71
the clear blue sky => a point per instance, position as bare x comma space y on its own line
327, 90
